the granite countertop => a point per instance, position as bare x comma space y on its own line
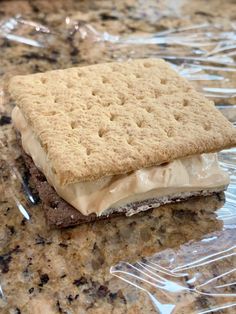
67, 271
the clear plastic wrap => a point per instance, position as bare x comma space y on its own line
202, 53
176, 280
199, 274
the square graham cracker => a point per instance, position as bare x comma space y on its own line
113, 118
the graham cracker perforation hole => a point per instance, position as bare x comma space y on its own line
140, 124
149, 109
43, 80
207, 127
157, 93
107, 104
113, 117
69, 85
89, 106
185, 102
74, 124
56, 100
170, 133
88, 151
102, 132
177, 117
129, 85
147, 65
188, 89
94, 93
130, 141
105, 80
54, 170
122, 100
163, 81
50, 113
140, 97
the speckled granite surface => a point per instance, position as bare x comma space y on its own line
67, 271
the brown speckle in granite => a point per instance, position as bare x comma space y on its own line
11, 229
6, 258
5, 120
39, 240
6, 211
5, 43
70, 298
81, 281
106, 16
233, 287
26, 271
59, 307
44, 278
121, 296
63, 245
102, 291
202, 302
145, 233
112, 296
23, 222
52, 58
97, 263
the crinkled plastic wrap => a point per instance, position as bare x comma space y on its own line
198, 276
204, 52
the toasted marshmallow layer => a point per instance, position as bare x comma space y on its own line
189, 174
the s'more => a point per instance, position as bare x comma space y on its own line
117, 139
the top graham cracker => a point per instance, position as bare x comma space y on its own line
113, 118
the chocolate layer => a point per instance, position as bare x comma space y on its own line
60, 214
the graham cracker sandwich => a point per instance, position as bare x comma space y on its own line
117, 138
